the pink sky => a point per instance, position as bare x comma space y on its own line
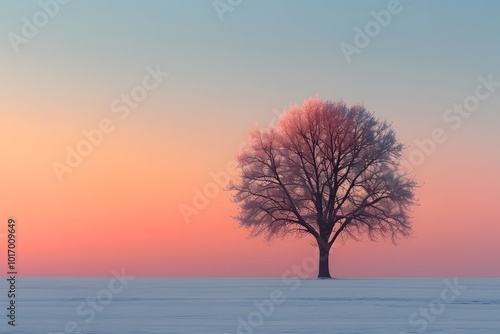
119, 208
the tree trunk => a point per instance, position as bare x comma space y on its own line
324, 268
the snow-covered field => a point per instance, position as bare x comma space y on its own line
104, 305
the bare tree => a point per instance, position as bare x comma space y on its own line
327, 170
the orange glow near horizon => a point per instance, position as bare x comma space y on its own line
125, 204
120, 208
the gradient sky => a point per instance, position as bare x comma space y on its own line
120, 206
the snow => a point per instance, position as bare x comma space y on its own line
230, 305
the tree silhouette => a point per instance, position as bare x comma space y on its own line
327, 170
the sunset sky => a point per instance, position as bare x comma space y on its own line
120, 207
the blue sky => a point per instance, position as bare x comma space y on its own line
279, 46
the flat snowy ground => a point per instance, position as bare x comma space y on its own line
385, 306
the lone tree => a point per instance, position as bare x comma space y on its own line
327, 170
